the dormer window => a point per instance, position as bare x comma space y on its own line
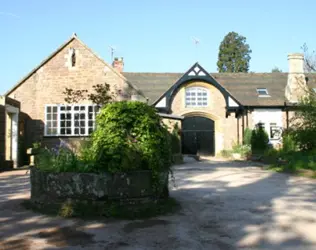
262, 92
196, 97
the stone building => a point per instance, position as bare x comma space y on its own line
216, 107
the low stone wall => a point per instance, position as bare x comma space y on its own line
57, 187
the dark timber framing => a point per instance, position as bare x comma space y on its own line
196, 73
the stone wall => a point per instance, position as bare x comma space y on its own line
58, 187
225, 128
46, 84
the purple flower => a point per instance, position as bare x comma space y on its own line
63, 144
55, 150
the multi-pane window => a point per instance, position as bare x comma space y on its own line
70, 120
196, 97
51, 120
65, 120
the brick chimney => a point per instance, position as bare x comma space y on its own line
296, 86
118, 64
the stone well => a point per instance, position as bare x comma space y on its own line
56, 187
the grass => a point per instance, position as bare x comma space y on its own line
106, 209
299, 172
296, 162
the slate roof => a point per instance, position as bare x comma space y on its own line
241, 85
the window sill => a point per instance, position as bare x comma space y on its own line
66, 136
196, 106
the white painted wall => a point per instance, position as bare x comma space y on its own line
162, 103
232, 103
268, 116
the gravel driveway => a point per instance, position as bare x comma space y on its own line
225, 205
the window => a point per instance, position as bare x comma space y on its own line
70, 120
275, 131
196, 97
262, 92
73, 57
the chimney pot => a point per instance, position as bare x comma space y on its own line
296, 63
118, 64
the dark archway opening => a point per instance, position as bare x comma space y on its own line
198, 136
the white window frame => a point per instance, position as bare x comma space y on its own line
263, 95
72, 112
272, 128
196, 90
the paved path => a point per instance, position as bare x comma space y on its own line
226, 205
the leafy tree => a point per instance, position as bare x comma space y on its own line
276, 70
234, 54
101, 95
303, 124
309, 59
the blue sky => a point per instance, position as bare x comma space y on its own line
152, 36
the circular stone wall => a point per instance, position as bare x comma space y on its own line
57, 187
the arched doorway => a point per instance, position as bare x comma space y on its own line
198, 136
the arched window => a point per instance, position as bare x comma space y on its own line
196, 97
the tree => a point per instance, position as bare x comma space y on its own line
276, 70
309, 59
303, 123
100, 96
234, 54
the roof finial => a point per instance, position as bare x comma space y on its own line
74, 34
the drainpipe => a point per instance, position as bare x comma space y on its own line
243, 127
238, 128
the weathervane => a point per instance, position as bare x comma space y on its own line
112, 48
196, 42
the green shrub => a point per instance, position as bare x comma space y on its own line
272, 152
259, 140
247, 136
288, 142
59, 159
226, 153
303, 124
175, 140
130, 135
243, 150
297, 160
